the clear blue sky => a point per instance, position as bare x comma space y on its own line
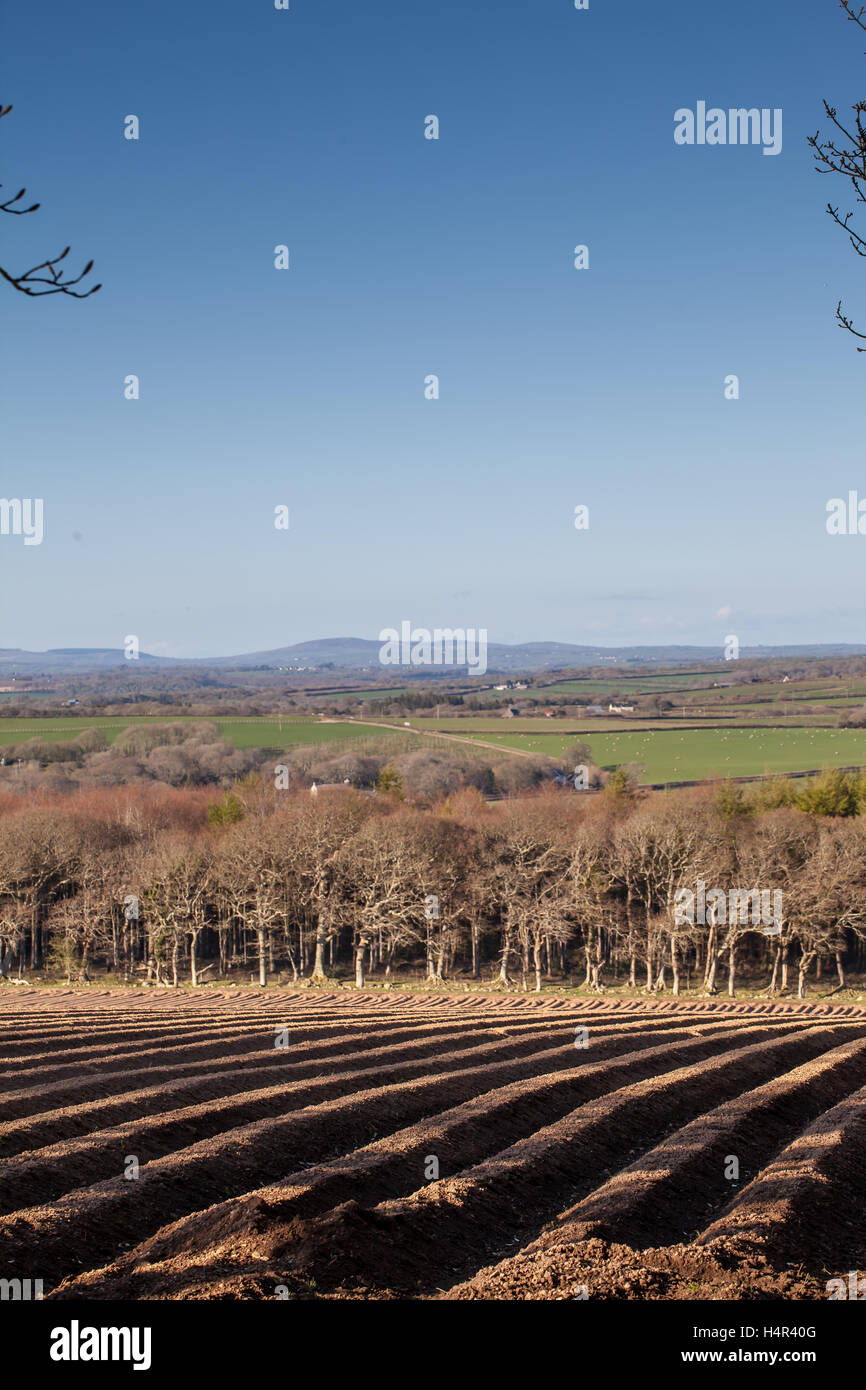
411, 257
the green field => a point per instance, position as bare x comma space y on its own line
390, 694
570, 728
672, 753
630, 685
242, 733
699, 687
764, 691
669, 755
285, 733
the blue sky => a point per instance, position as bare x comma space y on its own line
410, 257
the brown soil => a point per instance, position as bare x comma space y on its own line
306, 1172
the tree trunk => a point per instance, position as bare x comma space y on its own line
710, 965
629, 914
319, 962
504, 978
7, 958
293, 961
263, 964
360, 948
221, 940
775, 975
802, 969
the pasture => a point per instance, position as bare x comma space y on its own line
691, 754
248, 732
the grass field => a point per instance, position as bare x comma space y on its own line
571, 728
671, 755
242, 733
634, 685
285, 733
390, 694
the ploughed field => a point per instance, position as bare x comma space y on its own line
453, 1146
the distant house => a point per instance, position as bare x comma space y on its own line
329, 786
548, 714
343, 786
594, 709
620, 709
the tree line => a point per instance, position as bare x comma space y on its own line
168, 886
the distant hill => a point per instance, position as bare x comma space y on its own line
72, 659
359, 654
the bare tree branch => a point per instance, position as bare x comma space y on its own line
31, 282
847, 158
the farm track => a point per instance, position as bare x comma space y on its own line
307, 1166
